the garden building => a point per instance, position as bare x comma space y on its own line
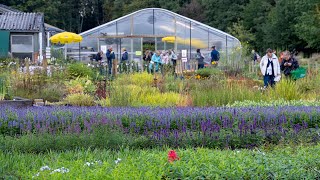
23, 34
157, 29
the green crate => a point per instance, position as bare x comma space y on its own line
298, 73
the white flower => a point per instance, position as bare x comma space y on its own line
98, 162
88, 163
36, 175
92, 163
60, 170
117, 161
45, 168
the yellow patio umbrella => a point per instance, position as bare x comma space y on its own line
66, 38
194, 42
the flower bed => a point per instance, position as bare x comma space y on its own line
177, 127
280, 163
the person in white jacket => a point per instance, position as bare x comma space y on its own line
270, 68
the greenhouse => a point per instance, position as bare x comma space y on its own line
156, 29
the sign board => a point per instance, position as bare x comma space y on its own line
138, 53
103, 49
184, 53
48, 52
184, 59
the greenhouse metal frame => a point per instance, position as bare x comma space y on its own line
158, 29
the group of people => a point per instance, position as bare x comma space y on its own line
271, 67
165, 57
111, 61
214, 54
153, 60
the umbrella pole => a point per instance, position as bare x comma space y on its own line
65, 53
79, 51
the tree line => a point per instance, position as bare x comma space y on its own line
258, 24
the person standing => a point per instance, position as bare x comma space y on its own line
155, 62
124, 60
164, 57
288, 64
215, 55
270, 68
255, 56
147, 58
124, 55
98, 58
173, 58
110, 58
200, 59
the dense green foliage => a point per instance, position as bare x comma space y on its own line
279, 24
278, 163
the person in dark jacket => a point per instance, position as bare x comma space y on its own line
110, 57
98, 56
124, 60
215, 55
288, 64
200, 59
124, 56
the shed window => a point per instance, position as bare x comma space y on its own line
21, 43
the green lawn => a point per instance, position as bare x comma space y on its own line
282, 162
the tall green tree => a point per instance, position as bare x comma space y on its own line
308, 25
193, 10
254, 18
221, 14
280, 27
245, 36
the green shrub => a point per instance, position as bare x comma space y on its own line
136, 90
102, 137
81, 85
297, 162
4, 62
132, 95
208, 93
138, 79
280, 102
80, 100
79, 70
5, 88
286, 89
209, 72
53, 92
120, 96
172, 84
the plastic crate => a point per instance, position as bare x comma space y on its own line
298, 73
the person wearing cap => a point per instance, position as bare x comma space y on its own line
110, 57
270, 68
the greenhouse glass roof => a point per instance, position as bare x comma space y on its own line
158, 29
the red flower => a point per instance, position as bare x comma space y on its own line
172, 156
